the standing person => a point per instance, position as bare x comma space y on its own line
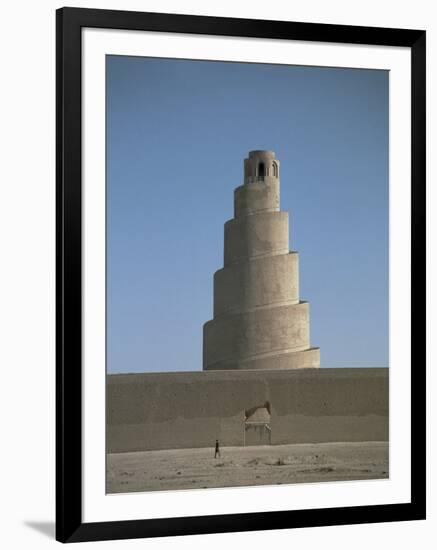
217, 449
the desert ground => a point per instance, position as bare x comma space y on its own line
245, 466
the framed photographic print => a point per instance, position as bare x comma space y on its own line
240, 274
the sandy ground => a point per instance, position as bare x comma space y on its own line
243, 466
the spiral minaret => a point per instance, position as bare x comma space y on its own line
259, 321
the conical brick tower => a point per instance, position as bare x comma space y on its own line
259, 321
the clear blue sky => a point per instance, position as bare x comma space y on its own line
177, 134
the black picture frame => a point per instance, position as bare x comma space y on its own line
69, 525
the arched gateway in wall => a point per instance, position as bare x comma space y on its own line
257, 429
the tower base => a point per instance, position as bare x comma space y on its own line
307, 359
